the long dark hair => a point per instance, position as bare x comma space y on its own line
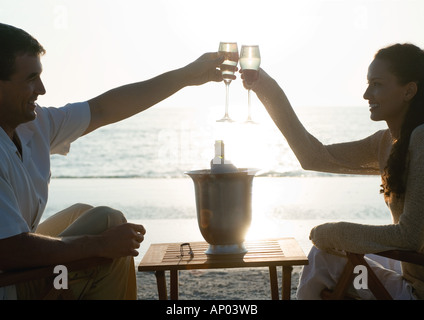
406, 62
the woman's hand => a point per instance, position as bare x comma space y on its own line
256, 80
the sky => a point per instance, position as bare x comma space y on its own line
317, 50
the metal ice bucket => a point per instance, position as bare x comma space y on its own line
224, 208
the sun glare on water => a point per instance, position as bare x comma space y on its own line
250, 145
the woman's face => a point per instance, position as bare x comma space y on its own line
388, 99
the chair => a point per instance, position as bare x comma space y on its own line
18, 276
374, 284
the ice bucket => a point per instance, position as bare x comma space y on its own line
224, 208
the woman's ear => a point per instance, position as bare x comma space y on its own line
411, 91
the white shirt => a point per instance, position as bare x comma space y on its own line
24, 180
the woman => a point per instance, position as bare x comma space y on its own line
396, 95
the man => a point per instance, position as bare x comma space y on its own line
29, 134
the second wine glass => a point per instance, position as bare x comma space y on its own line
250, 60
228, 67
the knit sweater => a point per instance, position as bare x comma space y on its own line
366, 156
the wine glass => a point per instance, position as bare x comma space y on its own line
250, 60
228, 68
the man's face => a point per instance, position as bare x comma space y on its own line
18, 94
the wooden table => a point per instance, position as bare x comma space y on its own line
284, 252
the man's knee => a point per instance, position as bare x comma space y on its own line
114, 217
80, 207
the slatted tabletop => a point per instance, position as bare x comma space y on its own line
271, 252
284, 252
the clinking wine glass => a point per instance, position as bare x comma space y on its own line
228, 67
250, 60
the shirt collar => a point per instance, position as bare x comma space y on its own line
5, 139
24, 135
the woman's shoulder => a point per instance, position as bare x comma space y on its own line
382, 137
381, 134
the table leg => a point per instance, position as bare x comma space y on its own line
286, 286
174, 284
161, 283
274, 282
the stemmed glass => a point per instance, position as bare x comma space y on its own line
250, 60
228, 68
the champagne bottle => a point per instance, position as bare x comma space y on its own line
219, 164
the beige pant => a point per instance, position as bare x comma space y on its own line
113, 281
324, 270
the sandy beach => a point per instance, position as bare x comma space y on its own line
218, 284
282, 207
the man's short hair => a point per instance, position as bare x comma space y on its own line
15, 42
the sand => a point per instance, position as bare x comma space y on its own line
218, 284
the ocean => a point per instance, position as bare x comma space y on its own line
166, 142
138, 165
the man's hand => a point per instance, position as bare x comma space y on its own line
136, 97
205, 69
122, 240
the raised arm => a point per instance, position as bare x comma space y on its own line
123, 102
357, 157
